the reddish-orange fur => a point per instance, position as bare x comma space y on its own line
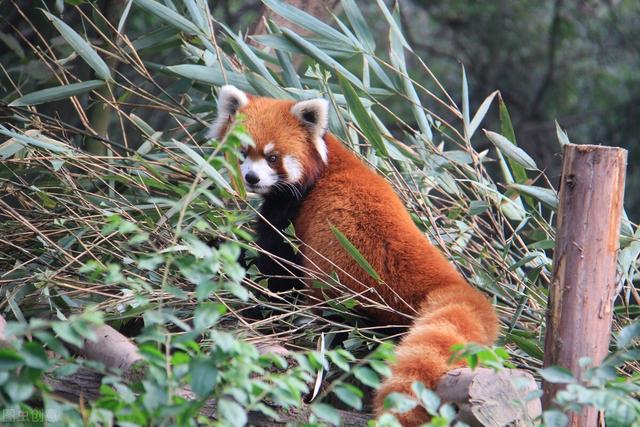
419, 281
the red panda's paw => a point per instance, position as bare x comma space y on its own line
413, 418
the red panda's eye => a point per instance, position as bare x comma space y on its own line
272, 158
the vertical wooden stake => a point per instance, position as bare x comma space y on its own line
584, 263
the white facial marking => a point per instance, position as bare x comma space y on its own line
260, 168
321, 147
268, 148
293, 168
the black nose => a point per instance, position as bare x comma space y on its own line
251, 178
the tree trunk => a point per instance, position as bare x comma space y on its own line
584, 263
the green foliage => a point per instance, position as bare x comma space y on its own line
150, 228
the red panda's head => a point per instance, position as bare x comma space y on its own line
289, 152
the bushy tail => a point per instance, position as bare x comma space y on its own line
452, 315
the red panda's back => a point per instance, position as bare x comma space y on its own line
363, 206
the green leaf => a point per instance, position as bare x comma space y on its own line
506, 128
563, 138
307, 21
363, 118
326, 412
350, 395
206, 315
48, 143
56, 93
511, 151
529, 346
465, 103
367, 376
232, 412
355, 253
211, 75
399, 402
197, 14
209, 170
393, 24
35, 356
396, 54
482, 111
169, 16
544, 195
428, 398
320, 56
359, 25
204, 376
81, 46
554, 418
248, 57
628, 335
9, 359
18, 390
557, 375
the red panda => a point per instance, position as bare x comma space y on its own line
307, 177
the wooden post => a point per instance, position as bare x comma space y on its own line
584, 263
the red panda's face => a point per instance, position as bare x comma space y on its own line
288, 152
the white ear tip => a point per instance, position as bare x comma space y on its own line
230, 100
318, 108
231, 92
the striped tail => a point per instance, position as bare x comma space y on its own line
452, 315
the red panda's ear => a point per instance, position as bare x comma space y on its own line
314, 115
230, 100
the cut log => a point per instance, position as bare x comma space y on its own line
584, 263
114, 350
488, 398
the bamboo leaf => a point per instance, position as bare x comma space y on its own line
511, 151
248, 57
482, 111
544, 195
124, 16
169, 16
506, 129
563, 138
209, 170
197, 15
46, 143
355, 253
56, 93
211, 75
465, 103
363, 118
396, 54
393, 24
307, 21
527, 345
81, 46
359, 25
320, 56
277, 41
